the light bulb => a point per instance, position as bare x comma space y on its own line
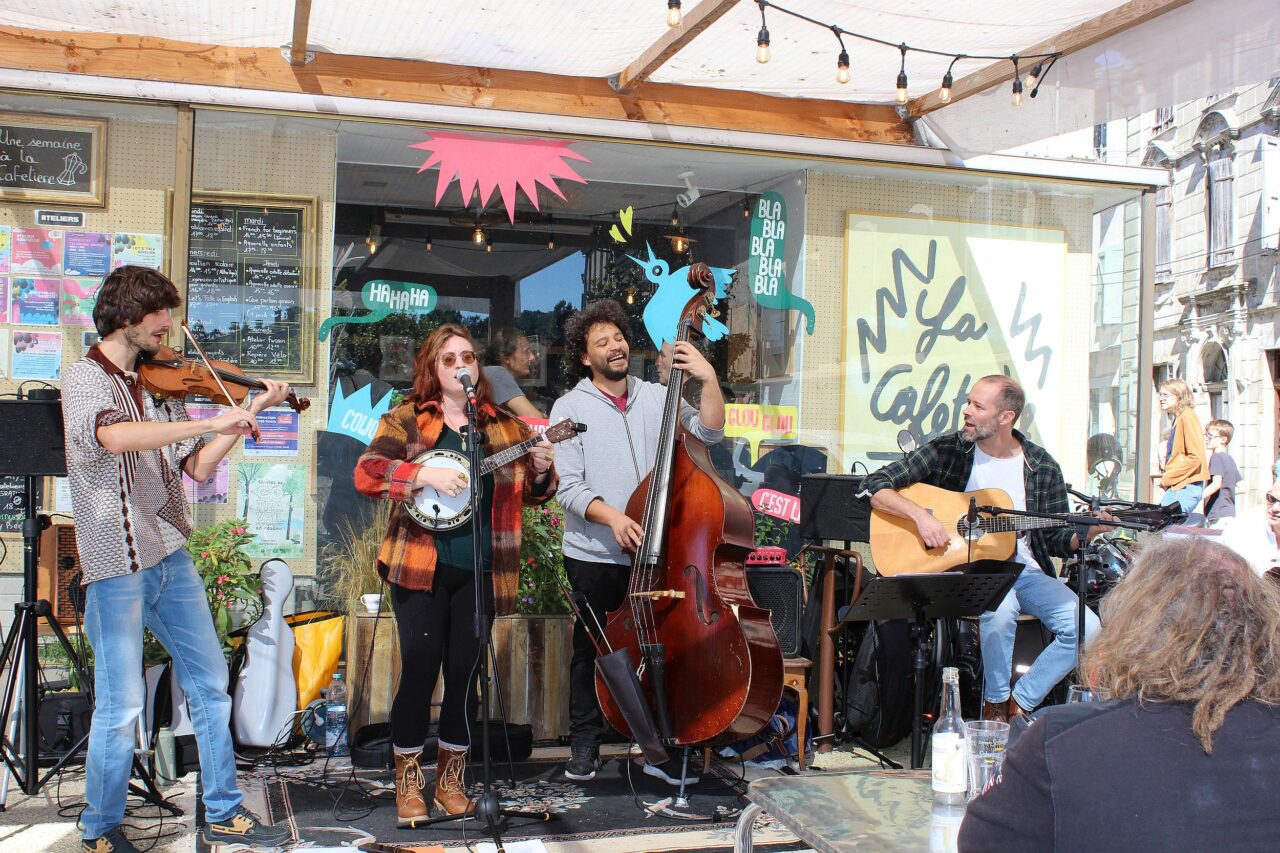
551, 242
680, 244
842, 68
631, 296
488, 246
429, 246
746, 210
762, 46
1033, 79
675, 217
944, 94
477, 236
673, 13
901, 96
1016, 99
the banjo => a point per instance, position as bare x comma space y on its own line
439, 511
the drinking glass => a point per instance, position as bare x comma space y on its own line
985, 742
1084, 693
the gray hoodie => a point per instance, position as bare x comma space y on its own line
610, 459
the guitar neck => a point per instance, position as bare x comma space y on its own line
507, 456
1017, 523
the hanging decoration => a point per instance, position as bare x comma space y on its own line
487, 164
672, 292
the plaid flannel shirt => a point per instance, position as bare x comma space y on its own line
947, 461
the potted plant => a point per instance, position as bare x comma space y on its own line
536, 645
231, 581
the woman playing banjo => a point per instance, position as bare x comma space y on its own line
430, 571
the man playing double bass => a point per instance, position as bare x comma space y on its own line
989, 453
598, 473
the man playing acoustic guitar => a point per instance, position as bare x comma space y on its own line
989, 453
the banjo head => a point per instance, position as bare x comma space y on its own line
434, 509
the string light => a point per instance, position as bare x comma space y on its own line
488, 246
673, 13
746, 209
1044, 61
762, 38
551, 235
631, 296
675, 216
429, 245
901, 96
1016, 99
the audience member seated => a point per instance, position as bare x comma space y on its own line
1252, 534
1184, 754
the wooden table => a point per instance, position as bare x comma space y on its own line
861, 810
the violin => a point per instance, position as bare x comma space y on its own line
167, 374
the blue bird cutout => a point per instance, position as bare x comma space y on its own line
672, 292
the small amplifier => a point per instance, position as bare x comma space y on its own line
780, 590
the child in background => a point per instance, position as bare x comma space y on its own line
1224, 475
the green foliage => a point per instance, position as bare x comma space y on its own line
228, 574
542, 574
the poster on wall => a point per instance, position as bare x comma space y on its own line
6, 242
142, 250
271, 498
79, 295
935, 305
36, 355
36, 252
215, 490
5, 352
34, 301
86, 254
53, 159
277, 434
4, 299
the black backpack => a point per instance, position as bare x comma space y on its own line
876, 691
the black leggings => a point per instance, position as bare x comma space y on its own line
437, 627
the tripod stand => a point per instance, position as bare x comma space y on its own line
487, 807
31, 445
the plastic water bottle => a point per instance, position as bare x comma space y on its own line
335, 718
949, 782
166, 757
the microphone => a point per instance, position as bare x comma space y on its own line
972, 521
468, 384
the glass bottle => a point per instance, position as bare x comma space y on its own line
949, 783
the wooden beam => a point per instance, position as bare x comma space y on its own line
301, 24
407, 81
1104, 26
672, 42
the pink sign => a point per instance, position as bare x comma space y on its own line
777, 504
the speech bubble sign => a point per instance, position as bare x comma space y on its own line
757, 422
777, 504
383, 297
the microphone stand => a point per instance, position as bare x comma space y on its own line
1082, 523
487, 807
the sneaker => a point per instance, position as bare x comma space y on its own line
112, 841
669, 772
245, 829
583, 763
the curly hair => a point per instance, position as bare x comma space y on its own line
130, 293
426, 383
577, 327
1190, 623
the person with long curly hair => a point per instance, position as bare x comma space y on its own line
1183, 754
431, 573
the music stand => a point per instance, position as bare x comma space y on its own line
921, 598
31, 446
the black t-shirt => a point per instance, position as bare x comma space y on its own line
1222, 503
1119, 776
453, 547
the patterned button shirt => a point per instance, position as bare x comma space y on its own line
130, 509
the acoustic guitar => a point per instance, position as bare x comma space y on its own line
897, 548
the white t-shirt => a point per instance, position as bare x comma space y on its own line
1007, 475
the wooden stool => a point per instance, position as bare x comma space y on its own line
795, 673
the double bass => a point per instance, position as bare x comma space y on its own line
707, 658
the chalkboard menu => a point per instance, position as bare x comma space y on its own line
13, 503
249, 283
52, 159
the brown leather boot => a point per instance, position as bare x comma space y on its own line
997, 711
1013, 710
451, 797
411, 806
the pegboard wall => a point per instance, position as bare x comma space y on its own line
139, 169
1004, 201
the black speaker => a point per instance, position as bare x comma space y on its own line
780, 590
31, 438
830, 508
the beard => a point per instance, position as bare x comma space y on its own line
981, 432
141, 341
613, 374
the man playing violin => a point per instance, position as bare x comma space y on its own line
126, 453
989, 453
597, 475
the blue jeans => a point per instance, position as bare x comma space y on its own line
1054, 604
1186, 498
169, 599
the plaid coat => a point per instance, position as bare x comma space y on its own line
407, 557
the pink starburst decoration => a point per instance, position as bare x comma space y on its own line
499, 164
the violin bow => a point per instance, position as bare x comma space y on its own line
216, 378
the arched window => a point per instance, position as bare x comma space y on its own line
1215, 379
